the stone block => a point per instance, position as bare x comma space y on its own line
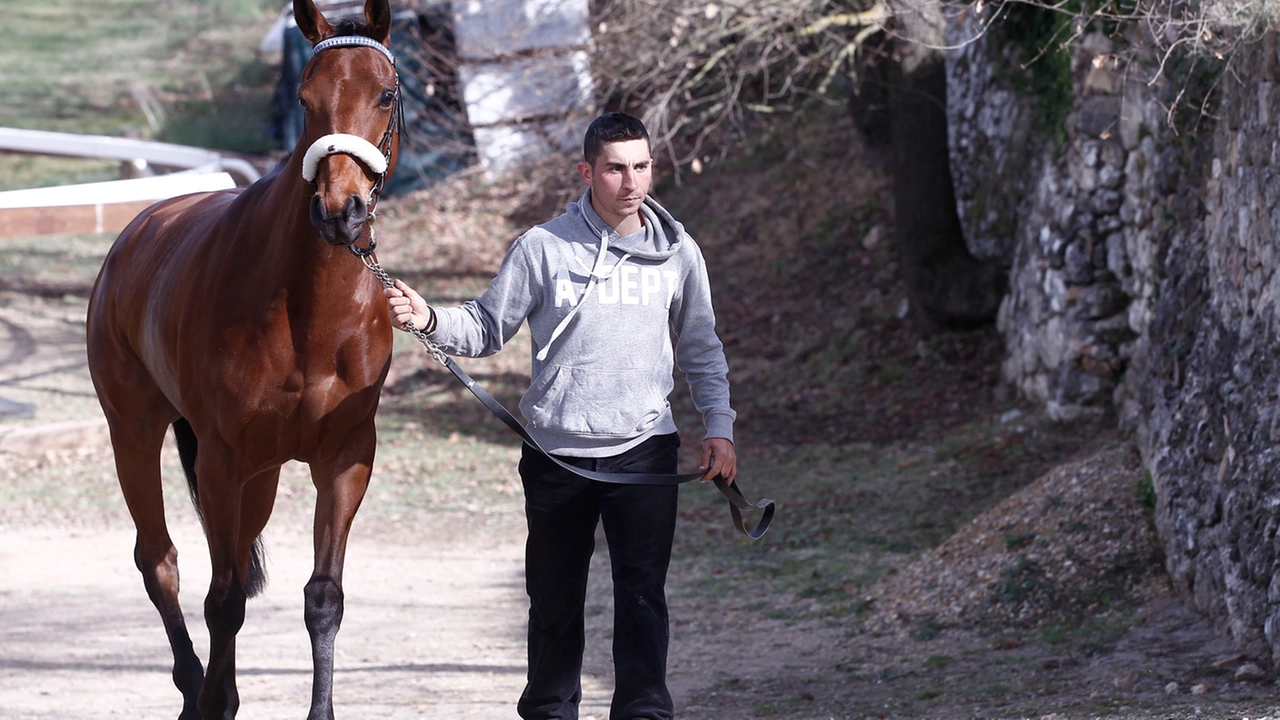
1109, 176
1101, 300
503, 148
1097, 116
490, 29
527, 88
1118, 256
1077, 265
1106, 201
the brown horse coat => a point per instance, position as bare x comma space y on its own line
241, 318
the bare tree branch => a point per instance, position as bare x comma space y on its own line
697, 71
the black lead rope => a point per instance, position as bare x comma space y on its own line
738, 503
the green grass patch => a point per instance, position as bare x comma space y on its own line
937, 662
54, 263
34, 171
849, 514
1088, 636
100, 67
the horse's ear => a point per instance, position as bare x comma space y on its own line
310, 21
377, 15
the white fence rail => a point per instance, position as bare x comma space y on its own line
147, 189
108, 206
103, 147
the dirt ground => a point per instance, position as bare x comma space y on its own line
435, 608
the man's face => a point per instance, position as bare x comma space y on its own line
619, 179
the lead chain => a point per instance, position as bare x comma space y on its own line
436, 351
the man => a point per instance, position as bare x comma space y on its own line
606, 287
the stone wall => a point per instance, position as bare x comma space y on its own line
1079, 220
1209, 396
1143, 283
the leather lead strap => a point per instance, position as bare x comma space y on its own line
738, 503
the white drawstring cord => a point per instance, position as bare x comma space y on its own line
596, 273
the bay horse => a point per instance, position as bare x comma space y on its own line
244, 320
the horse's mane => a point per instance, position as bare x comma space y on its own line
351, 26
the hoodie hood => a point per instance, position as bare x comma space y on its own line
657, 240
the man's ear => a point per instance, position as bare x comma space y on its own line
584, 172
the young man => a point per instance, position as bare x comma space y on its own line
615, 292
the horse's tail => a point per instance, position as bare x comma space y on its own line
186, 440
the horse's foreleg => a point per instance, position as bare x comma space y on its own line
257, 499
224, 616
338, 497
224, 605
137, 456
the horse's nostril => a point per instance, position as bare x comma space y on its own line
355, 211
318, 215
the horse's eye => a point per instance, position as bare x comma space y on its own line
388, 97
302, 102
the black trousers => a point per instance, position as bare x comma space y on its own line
562, 511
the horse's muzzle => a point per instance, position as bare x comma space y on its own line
343, 227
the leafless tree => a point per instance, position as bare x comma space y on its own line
697, 70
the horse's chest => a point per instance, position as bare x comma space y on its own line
303, 414
297, 376
302, 396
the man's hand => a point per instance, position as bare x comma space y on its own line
718, 458
406, 306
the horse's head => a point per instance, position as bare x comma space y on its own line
350, 95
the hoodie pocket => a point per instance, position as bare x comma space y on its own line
594, 402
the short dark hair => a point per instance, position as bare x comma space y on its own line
610, 128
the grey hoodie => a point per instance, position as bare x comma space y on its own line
602, 312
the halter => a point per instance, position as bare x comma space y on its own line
376, 157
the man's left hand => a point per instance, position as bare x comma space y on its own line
718, 458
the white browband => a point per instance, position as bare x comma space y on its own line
353, 40
353, 145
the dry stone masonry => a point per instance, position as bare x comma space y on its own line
1142, 264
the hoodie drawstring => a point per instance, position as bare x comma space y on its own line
596, 273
